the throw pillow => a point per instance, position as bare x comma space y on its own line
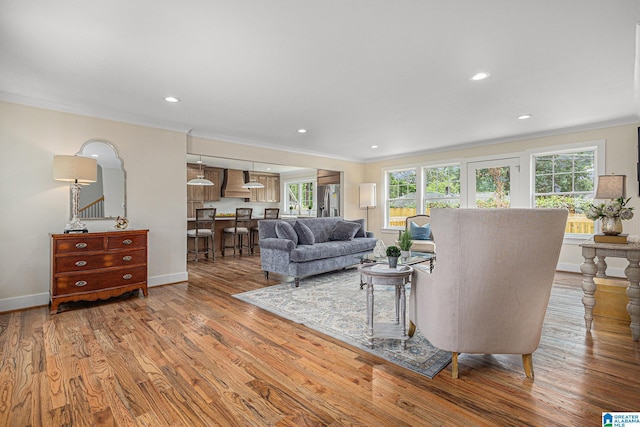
361, 231
305, 235
345, 230
420, 232
284, 230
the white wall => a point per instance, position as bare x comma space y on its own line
34, 205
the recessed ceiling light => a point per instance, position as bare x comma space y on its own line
524, 117
199, 161
480, 76
302, 131
374, 146
171, 99
95, 155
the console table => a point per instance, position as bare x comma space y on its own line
589, 268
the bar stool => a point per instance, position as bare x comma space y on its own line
239, 230
205, 223
269, 213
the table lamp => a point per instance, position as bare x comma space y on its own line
77, 171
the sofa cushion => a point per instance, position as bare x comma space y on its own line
345, 230
284, 230
333, 249
305, 235
361, 232
420, 232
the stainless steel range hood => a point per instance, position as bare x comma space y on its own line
232, 184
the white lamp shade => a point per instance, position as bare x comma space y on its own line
367, 192
611, 187
200, 180
252, 184
72, 168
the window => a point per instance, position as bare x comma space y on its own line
300, 197
401, 196
566, 180
441, 187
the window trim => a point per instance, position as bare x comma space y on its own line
527, 180
599, 146
298, 182
386, 201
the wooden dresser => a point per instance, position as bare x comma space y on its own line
93, 266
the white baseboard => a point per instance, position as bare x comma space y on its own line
167, 279
25, 301
37, 300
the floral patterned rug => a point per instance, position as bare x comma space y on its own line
334, 304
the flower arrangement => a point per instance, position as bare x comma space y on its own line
616, 208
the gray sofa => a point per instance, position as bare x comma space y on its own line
292, 255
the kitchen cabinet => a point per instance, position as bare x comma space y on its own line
204, 193
326, 177
271, 191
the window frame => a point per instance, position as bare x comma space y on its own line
424, 168
387, 199
298, 183
526, 177
598, 147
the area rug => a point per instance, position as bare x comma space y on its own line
334, 304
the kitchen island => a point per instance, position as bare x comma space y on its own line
222, 221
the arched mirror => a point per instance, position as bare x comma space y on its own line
105, 198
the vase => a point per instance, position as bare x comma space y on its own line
611, 226
405, 255
393, 261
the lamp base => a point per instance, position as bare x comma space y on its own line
66, 231
75, 227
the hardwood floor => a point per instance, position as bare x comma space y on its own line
191, 355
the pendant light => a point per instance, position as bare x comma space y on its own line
200, 180
252, 182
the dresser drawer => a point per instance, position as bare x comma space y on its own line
82, 262
126, 241
98, 280
79, 244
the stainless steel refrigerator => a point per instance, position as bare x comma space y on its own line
328, 200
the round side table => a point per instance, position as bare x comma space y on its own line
381, 274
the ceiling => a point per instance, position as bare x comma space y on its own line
354, 73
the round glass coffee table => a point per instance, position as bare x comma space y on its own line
381, 275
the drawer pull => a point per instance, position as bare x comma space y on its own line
81, 245
127, 276
127, 241
81, 283
81, 263
127, 258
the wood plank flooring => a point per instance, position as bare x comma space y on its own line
191, 355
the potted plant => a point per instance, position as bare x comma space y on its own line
393, 252
405, 243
